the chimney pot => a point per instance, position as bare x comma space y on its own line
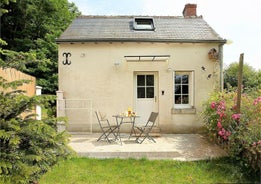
190, 10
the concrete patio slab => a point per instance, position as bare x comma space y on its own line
185, 147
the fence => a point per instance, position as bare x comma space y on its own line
11, 74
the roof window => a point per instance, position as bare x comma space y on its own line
143, 24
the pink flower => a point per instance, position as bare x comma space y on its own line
228, 133
213, 105
256, 143
236, 116
219, 125
222, 105
257, 100
224, 133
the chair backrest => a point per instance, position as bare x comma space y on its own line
100, 116
152, 119
102, 120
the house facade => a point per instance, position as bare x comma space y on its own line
165, 64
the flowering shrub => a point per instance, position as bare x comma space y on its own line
239, 133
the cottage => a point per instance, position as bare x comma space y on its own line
147, 63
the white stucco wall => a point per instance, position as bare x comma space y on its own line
93, 76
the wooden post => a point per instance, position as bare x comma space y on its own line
239, 84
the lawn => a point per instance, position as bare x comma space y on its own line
88, 170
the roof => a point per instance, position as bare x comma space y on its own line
120, 28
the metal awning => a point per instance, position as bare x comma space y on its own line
147, 57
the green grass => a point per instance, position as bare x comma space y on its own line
87, 170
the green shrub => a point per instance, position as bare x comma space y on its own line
29, 147
239, 133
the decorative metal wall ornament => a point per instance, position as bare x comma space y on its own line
209, 76
67, 61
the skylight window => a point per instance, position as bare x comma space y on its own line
141, 23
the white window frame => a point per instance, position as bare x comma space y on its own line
143, 23
191, 90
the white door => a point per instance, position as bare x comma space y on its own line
145, 95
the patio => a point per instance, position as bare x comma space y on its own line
185, 147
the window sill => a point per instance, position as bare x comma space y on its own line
183, 111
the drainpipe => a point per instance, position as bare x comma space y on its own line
220, 48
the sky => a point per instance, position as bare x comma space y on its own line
237, 21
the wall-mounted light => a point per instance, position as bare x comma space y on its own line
117, 64
169, 69
82, 55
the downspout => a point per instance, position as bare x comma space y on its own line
220, 48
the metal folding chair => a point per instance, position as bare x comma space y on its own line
106, 128
146, 130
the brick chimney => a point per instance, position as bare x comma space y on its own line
190, 10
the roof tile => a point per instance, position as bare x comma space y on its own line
120, 28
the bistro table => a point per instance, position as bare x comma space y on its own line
121, 119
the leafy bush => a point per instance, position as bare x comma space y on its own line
29, 147
239, 133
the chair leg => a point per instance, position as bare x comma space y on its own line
145, 136
133, 132
106, 135
114, 133
138, 137
138, 140
99, 138
151, 138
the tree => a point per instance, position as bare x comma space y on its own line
251, 77
13, 59
32, 26
2, 3
29, 147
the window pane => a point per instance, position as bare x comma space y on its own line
150, 92
144, 22
185, 79
177, 99
141, 80
141, 92
150, 80
144, 26
177, 79
177, 89
185, 99
185, 89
